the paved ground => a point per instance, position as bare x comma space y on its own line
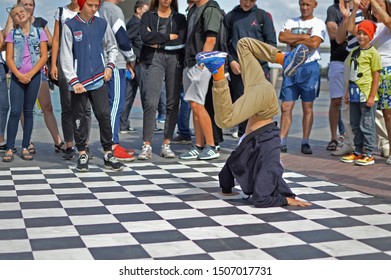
170, 209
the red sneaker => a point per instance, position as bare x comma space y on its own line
129, 151
122, 155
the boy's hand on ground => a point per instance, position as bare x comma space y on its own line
296, 202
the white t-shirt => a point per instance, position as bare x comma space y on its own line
382, 42
312, 27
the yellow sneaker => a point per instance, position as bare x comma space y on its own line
365, 160
352, 157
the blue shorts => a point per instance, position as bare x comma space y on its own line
305, 83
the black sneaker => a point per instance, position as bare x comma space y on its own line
69, 154
90, 155
284, 149
180, 139
112, 163
82, 163
306, 149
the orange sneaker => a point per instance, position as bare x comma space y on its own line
122, 155
365, 160
350, 158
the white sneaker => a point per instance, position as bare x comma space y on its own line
166, 151
146, 152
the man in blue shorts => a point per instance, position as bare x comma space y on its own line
310, 31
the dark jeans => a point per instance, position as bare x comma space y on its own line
131, 91
184, 117
4, 100
66, 108
362, 121
100, 105
165, 66
22, 98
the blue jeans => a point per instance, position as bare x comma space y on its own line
362, 121
4, 100
22, 98
184, 117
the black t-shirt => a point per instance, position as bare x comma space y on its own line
39, 22
338, 52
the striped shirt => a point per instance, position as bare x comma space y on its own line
352, 40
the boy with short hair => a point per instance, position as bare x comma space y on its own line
82, 61
365, 69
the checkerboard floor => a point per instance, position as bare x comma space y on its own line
173, 211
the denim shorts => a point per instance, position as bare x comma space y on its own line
385, 88
304, 84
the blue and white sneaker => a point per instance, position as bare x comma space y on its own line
211, 60
209, 153
294, 59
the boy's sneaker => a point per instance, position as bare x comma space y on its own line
166, 151
294, 59
192, 153
365, 160
306, 149
121, 154
283, 149
208, 153
112, 163
352, 157
82, 163
90, 155
211, 60
129, 151
69, 154
180, 139
128, 130
146, 152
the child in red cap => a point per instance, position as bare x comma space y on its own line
365, 67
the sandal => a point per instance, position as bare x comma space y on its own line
60, 147
26, 155
332, 146
31, 148
8, 156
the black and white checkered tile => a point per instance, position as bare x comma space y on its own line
174, 211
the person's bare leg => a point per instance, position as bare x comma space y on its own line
333, 116
286, 117
47, 109
387, 120
202, 125
308, 118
